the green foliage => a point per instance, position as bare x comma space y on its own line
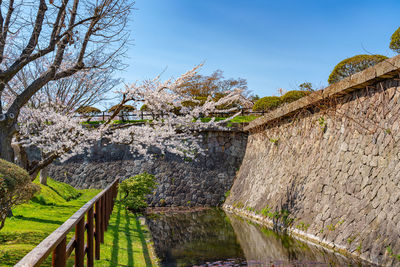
238, 205
303, 226
391, 254
352, 65
15, 188
266, 212
306, 86
322, 124
274, 141
87, 110
227, 193
124, 108
144, 107
267, 103
350, 239
135, 189
293, 96
395, 41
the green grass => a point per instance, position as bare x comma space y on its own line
237, 119
125, 242
32, 222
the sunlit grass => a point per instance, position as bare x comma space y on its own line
125, 240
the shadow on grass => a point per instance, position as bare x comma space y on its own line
144, 245
115, 248
128, 239
20, 217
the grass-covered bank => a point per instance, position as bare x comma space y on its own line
125, 240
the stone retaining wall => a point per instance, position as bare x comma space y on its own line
332, 166
201, 182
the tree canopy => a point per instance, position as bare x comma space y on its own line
87, 110
352, 65
395, 41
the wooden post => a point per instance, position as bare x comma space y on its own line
80, 243
89, 238
106, 206
103, 217
97, 231
59, 254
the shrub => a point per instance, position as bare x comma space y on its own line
144, 107
293, 96
352, 65
267, 103
87, 110
124, 108
306, 86
395, 41
135, 189
15, 188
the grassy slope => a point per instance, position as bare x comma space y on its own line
237, 119
34, 221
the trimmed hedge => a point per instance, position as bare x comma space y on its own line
350, 66
87, 110
267, 103
293, 96
16, 188
124, 108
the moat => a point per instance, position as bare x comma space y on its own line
214, 238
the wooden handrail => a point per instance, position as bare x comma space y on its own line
56, 242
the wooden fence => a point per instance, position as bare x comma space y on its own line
93, 218
142, 115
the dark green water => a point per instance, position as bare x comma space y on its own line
214, 238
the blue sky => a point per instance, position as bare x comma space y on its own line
272, 44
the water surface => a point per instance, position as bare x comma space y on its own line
215, 238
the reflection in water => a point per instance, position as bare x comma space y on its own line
213, 238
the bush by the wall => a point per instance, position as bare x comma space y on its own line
135, 189
352, 65
16, 188
293, 96
395, 41
267, 103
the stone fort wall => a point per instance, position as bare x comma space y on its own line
327, 167
201, 182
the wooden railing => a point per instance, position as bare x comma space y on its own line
93, 218
142, 115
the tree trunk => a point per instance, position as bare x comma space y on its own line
6, 150
44, 173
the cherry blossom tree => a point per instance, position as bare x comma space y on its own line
60, 135
67, 36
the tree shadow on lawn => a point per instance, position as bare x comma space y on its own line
143, 241
32, 219
115, 247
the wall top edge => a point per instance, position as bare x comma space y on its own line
385, 70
